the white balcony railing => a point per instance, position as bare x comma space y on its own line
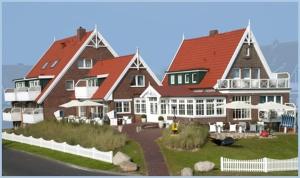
83, 90
281, 83
33, 115
12, 114
22, 94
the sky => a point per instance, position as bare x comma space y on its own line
155, 28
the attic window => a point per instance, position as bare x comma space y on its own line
54, 63
45, 65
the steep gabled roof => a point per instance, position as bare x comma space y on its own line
113, 68
61, 51
210, 52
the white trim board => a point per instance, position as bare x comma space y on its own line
69, 64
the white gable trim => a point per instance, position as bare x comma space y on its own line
69, 64
109, 93
114, 53
151, 90
173, 58
237, 50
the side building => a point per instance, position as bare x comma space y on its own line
208, 72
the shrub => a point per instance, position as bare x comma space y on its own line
143, 116
103, 138
189, 137
161, 118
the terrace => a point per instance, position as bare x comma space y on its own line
22, 93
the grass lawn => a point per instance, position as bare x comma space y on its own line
282, 147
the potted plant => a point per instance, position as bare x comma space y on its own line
161, 121
144, 118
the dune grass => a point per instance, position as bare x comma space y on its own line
282, 147
103, 138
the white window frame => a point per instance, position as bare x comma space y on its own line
136, 78
172, 79
258, 75
34, 83
45, 65
140, 102
274, 98
243, 111
72, 89
54, 64
186, 78
122, 105
84, 64
194, 78
179, 79
20, 84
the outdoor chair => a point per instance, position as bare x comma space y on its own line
232, 127
253, 128
260, 126
212, 127
220, 126
242, 127
87, 121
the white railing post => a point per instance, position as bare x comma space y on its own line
265, 163
222, 169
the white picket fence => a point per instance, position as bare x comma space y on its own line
259, 165
92, 153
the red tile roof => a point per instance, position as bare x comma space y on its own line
209, 52
62, 50
113, 67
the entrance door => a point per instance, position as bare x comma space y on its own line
152, 109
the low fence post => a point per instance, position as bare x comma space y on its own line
265, 163
222, 168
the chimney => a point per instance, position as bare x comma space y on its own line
80, 33
213, 32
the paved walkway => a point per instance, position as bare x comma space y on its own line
146, 138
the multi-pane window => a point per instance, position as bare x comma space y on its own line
236, 73
210, 109
199, 107
220, 110
181, 107
187, 78
190, 107
172, 79
174, 106
93, 82
122, 106
140, 106
255, 73
246, 73
163, 107
34, 83
264, 99
20, 84
137, 104
242, 113
138, 81
69, 85
179, 79
85, 64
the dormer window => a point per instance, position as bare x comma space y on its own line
45, 65
34, 83
54, 64
179, 79
172, 79
194, 77
138, 81
85, 64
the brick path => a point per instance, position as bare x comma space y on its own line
146, 138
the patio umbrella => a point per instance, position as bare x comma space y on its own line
273, 106
72, 103
90, 103
237, 105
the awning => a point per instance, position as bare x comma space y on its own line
90, 103
72, 103
237, 105
273, 106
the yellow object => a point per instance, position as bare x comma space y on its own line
175, 126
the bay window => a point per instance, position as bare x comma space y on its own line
163, 107
210, 107
190, 107
199, 107
181, 107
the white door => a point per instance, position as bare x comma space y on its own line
152, 109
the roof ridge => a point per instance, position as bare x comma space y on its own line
219, 34
70, 37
